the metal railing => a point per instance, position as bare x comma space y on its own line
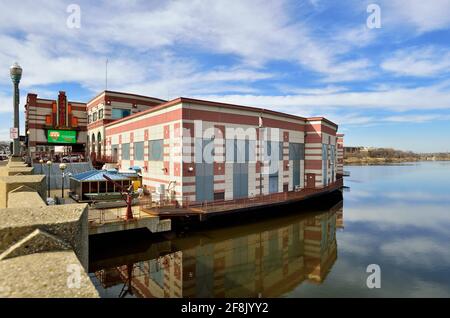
102, 216
147, 204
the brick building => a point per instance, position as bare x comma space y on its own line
107, 107
52, 123
194, 150
253, 151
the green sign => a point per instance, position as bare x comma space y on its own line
62, 136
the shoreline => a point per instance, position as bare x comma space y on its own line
386, 161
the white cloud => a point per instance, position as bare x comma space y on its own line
416, 118
423, 16
153, 49
356, 243
416, 196
405, 216
5, 102
4, 134
255, 32
420, 62
419, 251
397, 99
329, 89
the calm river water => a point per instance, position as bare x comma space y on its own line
397, 217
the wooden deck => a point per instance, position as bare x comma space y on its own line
240, 205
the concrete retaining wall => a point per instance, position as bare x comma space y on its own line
43, 249
11, 183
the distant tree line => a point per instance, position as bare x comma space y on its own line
390, 153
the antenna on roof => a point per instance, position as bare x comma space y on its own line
106, 76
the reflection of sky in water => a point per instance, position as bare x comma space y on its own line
399, 218
395, 216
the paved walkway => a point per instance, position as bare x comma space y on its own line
241, 204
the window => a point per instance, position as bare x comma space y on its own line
240, 150
139, 150
271, 146
155, 150
102, 186
204, 150
125, 151
89, 119
118, 113
156, 272
100, 114
296, 151
115, 152
109, 186
94, 116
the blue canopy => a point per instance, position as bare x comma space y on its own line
97, 175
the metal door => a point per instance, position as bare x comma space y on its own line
240, 180
310, 180
273, 183
296, 173
204, 182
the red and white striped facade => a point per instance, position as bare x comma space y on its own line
340, 154
103, 104
44, 114
174, 123
319, 131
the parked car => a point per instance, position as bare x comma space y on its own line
72, 158
43, 158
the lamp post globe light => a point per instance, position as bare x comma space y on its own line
16, 74
28, 147
62, 167
49, 165
42, 165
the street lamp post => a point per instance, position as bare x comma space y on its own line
49, 165
62, 167
16, 74
28, 147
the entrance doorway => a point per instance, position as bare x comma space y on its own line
310, 180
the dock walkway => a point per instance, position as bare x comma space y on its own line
239, 205
113, 220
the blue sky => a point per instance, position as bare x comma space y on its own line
387, 86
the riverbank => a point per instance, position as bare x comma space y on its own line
381, 161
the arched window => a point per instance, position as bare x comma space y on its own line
99, 145
93, 143
87, 145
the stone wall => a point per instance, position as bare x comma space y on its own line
13, 183
66, 222
16, 170
43, 249
46, 274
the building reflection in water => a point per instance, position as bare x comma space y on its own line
266, 259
